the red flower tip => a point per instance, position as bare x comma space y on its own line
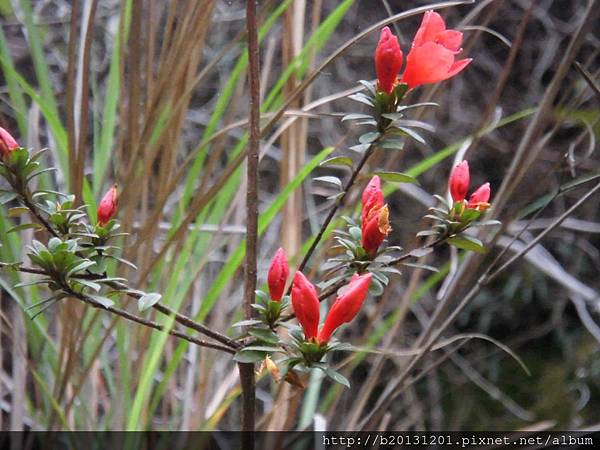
432, 55
305, 303
278, 274
388, 61
459, 181
7, 143
346, 307
480, 198
108, 206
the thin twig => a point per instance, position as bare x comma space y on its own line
145, 322
339, 202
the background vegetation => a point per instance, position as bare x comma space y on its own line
153, 95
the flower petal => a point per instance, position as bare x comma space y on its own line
451, 39
431, 26
428, 63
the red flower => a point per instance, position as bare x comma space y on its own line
480, 198
346, 307
459, 181
278, 274
7, 143
375, 229
375, 217
388, 61
432, 55
306, 305
372, 197
108, 206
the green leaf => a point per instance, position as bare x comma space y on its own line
369, 138
6, 197
413, 134
249, 356
17, 211
263, 348
396, 177
25, 226
356, 116
361, 98
90, 284
356, 233
148, 300
392, 144
421, 266
337, 161
264, 335
467, 243
331, 180
360, 148
104, 301
337, 377
246, 323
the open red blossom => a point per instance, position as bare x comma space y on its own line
108, 206
480, 198
346, 307
388, 61
432, 55
305, 303
7, 143
278, 274
459, 181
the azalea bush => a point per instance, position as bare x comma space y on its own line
72, 263
87, 246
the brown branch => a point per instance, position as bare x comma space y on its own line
247, 378
336, 206
148, 323
180, 318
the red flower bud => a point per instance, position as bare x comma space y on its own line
388, 61
372, 197
346, 307
7, 143
375, 229
459, 181
306, 305
278, 274
480, 198
108, 206
432, 55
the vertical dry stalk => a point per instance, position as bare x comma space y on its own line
247, 369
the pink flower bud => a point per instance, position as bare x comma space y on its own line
108, 206
388, 61
480, 198
459, 181
7, 143
278, 274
